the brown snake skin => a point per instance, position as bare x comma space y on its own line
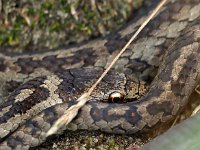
43, 86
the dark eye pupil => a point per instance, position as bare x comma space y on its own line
116, 97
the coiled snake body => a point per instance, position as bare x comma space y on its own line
43, 86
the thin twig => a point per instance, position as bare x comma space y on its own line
197, 109
70, 113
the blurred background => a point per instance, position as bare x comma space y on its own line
38, 25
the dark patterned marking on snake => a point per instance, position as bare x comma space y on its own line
155, 108
21, 107
2, 65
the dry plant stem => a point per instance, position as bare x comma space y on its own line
198, 107
70, 113
197, 89
195, 111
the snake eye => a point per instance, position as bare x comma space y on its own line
116, 97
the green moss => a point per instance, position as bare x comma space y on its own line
55, 27
88, 143
111, 144
47, 6
3, 38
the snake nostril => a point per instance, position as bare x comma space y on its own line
116, 97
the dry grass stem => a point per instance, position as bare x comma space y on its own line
197, 109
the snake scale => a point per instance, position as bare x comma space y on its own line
37, 88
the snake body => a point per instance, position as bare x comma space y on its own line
43, 86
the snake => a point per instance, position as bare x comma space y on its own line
37, 88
